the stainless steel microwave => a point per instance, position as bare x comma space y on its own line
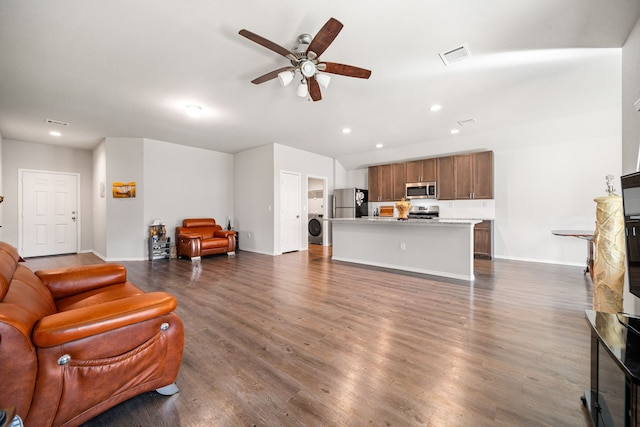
420, 190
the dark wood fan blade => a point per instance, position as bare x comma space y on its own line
346, 70
325, 37
264, 42
269, 76
314, 89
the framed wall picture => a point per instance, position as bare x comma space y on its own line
123, 190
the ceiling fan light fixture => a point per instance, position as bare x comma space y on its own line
285, 77
302, 89
305, 59
323, 80
307, 68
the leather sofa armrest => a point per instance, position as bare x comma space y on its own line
188, 245
84, 322
224, 233
63, 282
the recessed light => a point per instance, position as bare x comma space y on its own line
379, 145
455, 131
436, 107
55, 133
346, 130
193, 110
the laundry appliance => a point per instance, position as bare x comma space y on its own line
315, 228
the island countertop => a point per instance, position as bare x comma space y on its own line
441, 247
412, 221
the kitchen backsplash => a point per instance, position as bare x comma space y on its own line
459, 209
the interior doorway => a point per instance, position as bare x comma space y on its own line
317, 210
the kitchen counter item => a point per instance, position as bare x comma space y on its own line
403, 208
386, 211
424, 212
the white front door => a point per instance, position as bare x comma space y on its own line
289, 212
49, 213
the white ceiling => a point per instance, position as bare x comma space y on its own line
126, 68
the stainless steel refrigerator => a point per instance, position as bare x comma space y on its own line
350, 203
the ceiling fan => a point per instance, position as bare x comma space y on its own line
305, 59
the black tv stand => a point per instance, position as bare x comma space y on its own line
612, 399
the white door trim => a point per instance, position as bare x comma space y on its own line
78, 222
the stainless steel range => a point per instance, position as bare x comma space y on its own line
424, 212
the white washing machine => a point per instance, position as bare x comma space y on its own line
315, 229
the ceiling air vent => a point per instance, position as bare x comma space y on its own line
455, 55
56, 122
467, 122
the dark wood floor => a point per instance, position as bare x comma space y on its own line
300, 340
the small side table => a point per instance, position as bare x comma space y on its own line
581, 234
159, 249
159, 242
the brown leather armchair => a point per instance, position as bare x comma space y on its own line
77, 341
202, 236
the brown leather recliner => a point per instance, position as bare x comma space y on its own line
202, 236
77, 341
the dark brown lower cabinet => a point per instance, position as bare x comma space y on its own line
483, 240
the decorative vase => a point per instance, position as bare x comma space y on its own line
403, 209
609, 256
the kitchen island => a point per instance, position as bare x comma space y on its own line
439, 247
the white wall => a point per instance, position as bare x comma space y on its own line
358, 178
315, 205
550, 187
27, 155
101, 191
341, 177
316, 193
125, 231
173, 182
185, 182
257, 190
253, 182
